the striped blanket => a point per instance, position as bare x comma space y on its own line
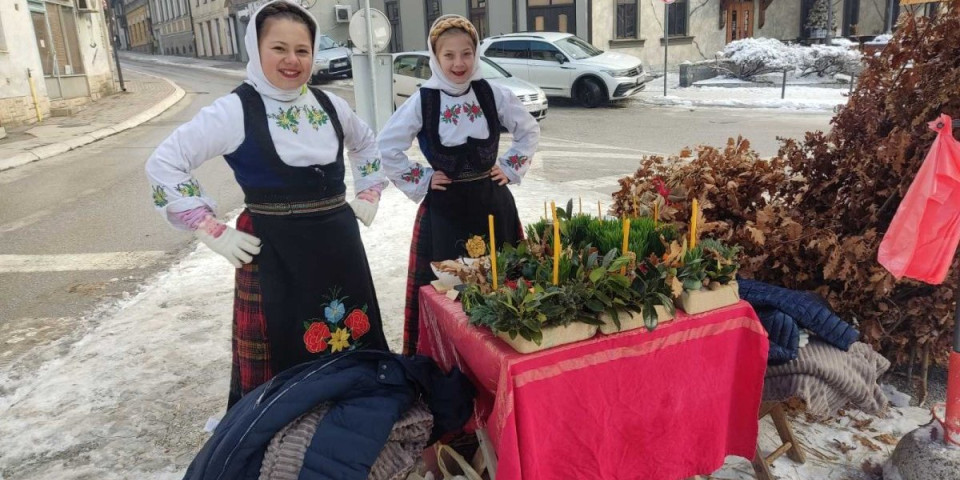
827, 378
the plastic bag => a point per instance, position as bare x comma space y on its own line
922, 238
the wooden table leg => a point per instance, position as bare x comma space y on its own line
795, 452
760, 466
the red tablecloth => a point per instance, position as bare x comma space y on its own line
658, 405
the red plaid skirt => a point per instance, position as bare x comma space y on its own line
251, 352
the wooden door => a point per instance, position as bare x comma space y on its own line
740, 21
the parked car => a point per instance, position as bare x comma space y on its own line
331, 59
564, 65
411, 69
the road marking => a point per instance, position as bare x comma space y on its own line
572, 154
79, 262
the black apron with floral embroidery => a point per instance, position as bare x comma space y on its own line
317, 291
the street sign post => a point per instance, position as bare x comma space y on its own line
666, 40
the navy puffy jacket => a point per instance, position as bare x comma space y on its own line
369, 390
783, 312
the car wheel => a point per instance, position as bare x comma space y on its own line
590, 93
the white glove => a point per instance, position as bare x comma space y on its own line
236, 246
364, 210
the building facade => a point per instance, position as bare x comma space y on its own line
695, 29
54, 54
173, 27
139, 26
215, 34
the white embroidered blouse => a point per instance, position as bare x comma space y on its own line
458, 121
302, 135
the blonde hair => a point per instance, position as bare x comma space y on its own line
449, 23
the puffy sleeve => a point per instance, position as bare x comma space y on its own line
525, 130
361, 145
216, 130
412, 178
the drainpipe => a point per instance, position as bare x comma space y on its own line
33, 93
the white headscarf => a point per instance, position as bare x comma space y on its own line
440, 81
255, 76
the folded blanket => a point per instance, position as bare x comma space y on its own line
827, 378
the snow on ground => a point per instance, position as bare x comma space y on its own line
798, 97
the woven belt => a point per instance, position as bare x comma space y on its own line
297, 208
471, 178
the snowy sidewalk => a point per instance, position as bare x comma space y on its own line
798, 96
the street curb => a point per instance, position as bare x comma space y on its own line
47, 151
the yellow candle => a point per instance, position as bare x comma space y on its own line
556, 245
693, 223
626, 244
493, 253
656, 214
599, 212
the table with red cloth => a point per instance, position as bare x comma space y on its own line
661, 405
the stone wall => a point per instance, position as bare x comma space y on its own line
15, 111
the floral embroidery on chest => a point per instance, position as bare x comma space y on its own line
473, 110
451, 113
289, 119
336, 331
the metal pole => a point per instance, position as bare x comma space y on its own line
114, 33
783, 87
371, 56
890, 19
666, 43
829, 22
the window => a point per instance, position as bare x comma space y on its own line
59, 46
432, 10
628, 19
509, 49
543, 51
677, 26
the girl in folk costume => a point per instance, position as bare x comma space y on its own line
303, 285
456, 117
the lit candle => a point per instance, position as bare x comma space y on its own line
556, 245
626, 244
493, 253
693, 224
656, 214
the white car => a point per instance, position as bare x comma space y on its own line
411, 69
564, 65
331, 59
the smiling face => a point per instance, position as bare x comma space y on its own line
455, 51
286, 52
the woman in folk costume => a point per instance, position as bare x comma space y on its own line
456, 117
303, 285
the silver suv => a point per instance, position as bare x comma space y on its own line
564, 65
